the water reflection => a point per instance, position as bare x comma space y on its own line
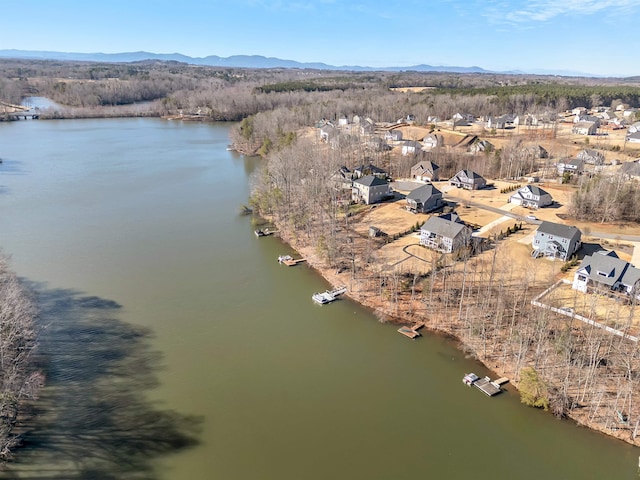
94, 419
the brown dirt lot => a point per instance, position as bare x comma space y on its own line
612, 311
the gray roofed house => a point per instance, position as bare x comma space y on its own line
531, 196
606, 271
327, 132
571, 165
410, 147
585, 118
343, 178
370, 189
393, 135
425, 171
468, 180
481, 146
585, 128
633, 137
445, 233
538, 151
630, 170
501, 122
591, 156
556, 240
433, 140
423, 199
369, 169
634, 127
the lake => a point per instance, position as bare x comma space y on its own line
176, 345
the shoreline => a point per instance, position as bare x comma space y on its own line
381, 310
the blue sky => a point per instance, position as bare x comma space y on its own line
592, 36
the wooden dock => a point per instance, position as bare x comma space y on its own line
410, 332
501, 381
293, 261
486, 386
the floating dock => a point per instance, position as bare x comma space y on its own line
411, 332
485, 385
293, 261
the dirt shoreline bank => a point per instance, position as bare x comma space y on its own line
385, 314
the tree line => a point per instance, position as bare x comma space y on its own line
20, 379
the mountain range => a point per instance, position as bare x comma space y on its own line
249, 61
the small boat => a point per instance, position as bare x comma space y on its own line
262, 233
470, 379
284, 258
328, 296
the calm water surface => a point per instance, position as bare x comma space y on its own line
142, 214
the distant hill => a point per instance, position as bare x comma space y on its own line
240, 61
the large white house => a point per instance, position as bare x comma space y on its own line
531, 196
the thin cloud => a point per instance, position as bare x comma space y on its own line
545, 10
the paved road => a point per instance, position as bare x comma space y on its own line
500, 211
407, 185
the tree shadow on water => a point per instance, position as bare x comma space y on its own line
93, 419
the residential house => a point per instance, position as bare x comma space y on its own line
462, 119
633, 137
393, 135
342, 178
556, 240
579, 110
537, 151
585, 128
630, 112
327, 132
425, 171
630, 170
433, 140
410, 147
369, 169
423, 199
591, 156
367, 127
481, 146
343, 121
370, 189
527, 120
571, 165
501, 122
608, 115
605, 271
468, 180
531, 196
634, 127
587, 118
376, 144
445, 233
